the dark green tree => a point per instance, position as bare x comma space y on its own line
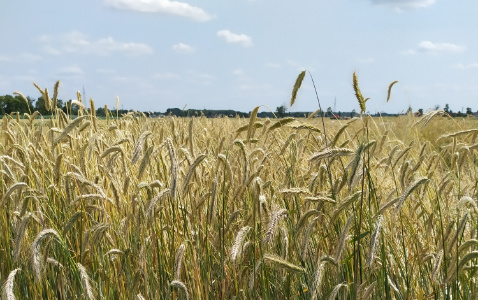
329, 111
447, 108
281, 111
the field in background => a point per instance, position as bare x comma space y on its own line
230, 208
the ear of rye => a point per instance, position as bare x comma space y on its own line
298, 83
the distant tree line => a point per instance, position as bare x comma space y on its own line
10, 104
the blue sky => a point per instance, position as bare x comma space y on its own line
238, 54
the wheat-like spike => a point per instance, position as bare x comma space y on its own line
390, 89
213, 200
306, 127
55, 263
252, 120
180, 285
87, 197
319, 274
55, 92
237, 248
85, 281
374, 242
174, 167
72, 221
456, 268
20, 233
307, 233
455, 134
277, 261
358, 94
78, 103
281, 122
145, 162
402, 153
436, 265
7, 290
112, 149
303, 219
242, 146
178, 262
191, 170
320, 199
68, 129
152, 203
298, 83
57, 168
355, 164
40, 90
467, 244
336, 289
332, 152
36, 262
139, 146
387, 205
339, 133
272, 226
348, 201
343, 237
408, 191
461, 227
24, 99
48, 104
93, 113
426, 118
11, 189
231, 220
295, 191
467, 200
191, 137
368, 290
20, 165
467, 258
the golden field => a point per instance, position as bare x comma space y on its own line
236, 208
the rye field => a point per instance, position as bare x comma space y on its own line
231, 208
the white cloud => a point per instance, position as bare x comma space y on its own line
429, 47
404, 4
21, 57
436, 48
176, 8
234, 38
77, 42
183, 48
71, 71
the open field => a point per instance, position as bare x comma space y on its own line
234, 208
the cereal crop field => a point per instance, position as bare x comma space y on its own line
234, 208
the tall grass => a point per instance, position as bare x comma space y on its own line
229, 208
